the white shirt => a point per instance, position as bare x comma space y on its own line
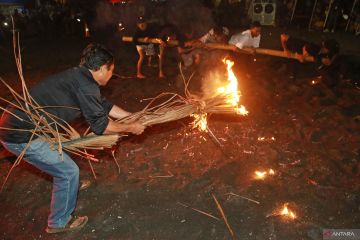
244, 39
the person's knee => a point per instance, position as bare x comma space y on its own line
197, 59
140, 52
75, 171
284, 37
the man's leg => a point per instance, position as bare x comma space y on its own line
65, 175
140, 50
161, 61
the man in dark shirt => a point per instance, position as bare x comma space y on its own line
66, 96
301, 48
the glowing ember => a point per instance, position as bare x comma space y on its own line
241, 110
267, 139
287, 213
87, 30
315, 81
262, 174
200, 122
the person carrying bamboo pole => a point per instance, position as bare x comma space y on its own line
302, 50
188, 49
143, 30
65, 96
249, 38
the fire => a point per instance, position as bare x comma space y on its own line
200, 121
231, 90
286, 212
230, 93
267, 139
241, 110
262, 174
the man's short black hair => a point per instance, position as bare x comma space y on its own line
312, 49
96, 55
255, 24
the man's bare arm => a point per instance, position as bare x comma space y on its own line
116, 127
118, 113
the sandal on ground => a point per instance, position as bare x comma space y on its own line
84, 184
74, 223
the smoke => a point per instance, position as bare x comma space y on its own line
180, 13
189, 12
214, 72
211, 82
106, 15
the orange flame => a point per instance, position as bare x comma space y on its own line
260, 175
232, 94
200, 122
287, 213
231, 90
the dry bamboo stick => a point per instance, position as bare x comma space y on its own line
199, 211
92, 169
246, 198
117, 164
224, 217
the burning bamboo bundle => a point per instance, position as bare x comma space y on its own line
222, 46
224, 100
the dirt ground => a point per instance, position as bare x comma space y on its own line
170, 176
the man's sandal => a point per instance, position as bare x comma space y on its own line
74, 223
84, 184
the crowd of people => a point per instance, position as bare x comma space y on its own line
190, 49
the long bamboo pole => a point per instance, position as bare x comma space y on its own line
222, 46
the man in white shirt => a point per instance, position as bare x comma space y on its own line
249, 38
